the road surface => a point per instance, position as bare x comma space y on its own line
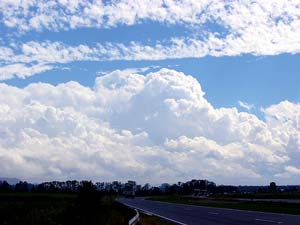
200, 215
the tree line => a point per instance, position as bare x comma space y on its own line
192, 187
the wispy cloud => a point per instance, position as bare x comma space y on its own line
48, 53
246, 105
250, 27
132, 70
21, 70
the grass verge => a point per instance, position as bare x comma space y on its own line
261, 196
152, 220
63, 209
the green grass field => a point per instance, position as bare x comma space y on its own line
63, 209
261, 196
276, 207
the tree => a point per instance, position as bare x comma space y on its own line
273, 187
88, 194
21, 186
4, 186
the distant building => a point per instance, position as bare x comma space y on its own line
200, 192
129, 189
164, 187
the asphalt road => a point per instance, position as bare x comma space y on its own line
200, 215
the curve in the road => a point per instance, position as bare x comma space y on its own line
201, 215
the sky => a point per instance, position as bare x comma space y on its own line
154, 91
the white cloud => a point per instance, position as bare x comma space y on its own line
132, 70
48, 53
246, 105
39, 15
157, 127
293, 170
289, 172
21, 70
249, 27
33, 14
254, 27
34, 57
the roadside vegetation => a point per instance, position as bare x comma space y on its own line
82, 202
152, 220
225, 202
86, 207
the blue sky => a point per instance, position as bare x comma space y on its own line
131, 63
261, 80
258, 80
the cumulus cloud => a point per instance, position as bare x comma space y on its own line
293, 170
289, 172
157, 127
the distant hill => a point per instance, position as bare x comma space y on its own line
11, 181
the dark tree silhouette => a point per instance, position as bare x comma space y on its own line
273, 187
22, 186
4, 186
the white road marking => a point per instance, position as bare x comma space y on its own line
166, 218
214, 213
187, 209
147, 213
227, 209
269, 221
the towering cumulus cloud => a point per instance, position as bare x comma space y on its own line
157, 127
